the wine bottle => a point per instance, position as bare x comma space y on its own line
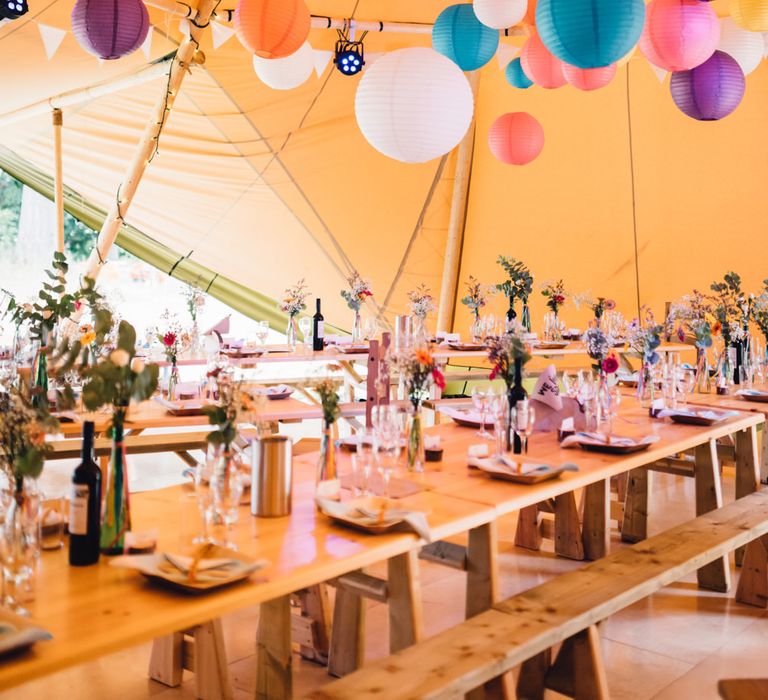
85, 506
511, 314
318, 329
516, 393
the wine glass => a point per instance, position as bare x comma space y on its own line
388, 430
524, 418
480, 402
611, 399
686, 380
499, 408
262, 331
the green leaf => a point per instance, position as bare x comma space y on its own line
126, 338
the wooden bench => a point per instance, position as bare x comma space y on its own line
743, 689
522, 630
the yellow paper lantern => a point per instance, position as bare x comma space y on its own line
750, 14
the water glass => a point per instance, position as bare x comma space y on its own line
480, 402
52, 523
523, 420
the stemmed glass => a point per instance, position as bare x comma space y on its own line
262, 331
523, 420
498, 406
480, 402
388, 429
610, 409
686, 381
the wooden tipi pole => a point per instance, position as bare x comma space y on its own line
58, 179
452, 262
148, 144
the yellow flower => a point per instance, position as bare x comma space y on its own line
87, 338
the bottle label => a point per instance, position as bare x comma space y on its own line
321, 329
78, 510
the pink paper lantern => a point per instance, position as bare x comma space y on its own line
589, 78
540, 65
679, 34
516, 138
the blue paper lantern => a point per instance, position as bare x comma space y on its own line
516, 76
590, 33
460, 36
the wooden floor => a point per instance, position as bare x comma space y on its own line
676, 644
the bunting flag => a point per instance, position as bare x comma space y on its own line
321, 59
221, 34
660, 73
505, 54
146, 47
52, 38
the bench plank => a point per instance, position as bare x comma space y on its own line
496, 641
743, 689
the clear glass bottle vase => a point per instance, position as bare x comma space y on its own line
20, 547
292, 332
326, 464
357, 328
226, 494
415, 451
117, 513
703, 378
646, 388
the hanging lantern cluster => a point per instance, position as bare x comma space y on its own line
462, 37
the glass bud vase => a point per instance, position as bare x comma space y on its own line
173, 382
415, 452
552, 332
515, 392
292, 332
357, 329
117, 512
19, 551
646, 389
703, 378
725, 370
525, 320
477, 329
39, 375
326, 464
226, 493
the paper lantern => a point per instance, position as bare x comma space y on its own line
710, 91
746, 47
286, 73
516, 138
589, 78
590, 33
414, 105
110, 29
272, 28
460, 36
679, 34
500, 14
750, 14
540, 65
516, 76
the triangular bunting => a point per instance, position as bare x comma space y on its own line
221, 34
660, 73
321, 60
52, 38
505, 54
146, 47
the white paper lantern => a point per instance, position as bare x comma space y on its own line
414, 105
500, 14
286, 73
745, 46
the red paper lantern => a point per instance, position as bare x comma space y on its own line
272, 28
540, 65
516, 138
589, 78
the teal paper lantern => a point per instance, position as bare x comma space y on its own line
460, 36
590, 33
516, 76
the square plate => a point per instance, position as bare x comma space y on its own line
187, 407
17, 632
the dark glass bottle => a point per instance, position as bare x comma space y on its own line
318, 329
516, 393
511, 313
85, 506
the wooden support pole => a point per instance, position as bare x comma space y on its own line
452, 261
58, 178
123, 199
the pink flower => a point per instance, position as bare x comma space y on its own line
558, 299
438, 378
494, 373
610, 304
681, 335
610, 364
78, 304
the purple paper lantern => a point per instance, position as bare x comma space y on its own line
110, 29
710, 91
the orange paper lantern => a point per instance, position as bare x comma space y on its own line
589, 78
540, 65
272, 28
516, 138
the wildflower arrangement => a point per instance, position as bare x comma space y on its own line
555, 294
644, 337
477, 295
599, 347
23, 428
421, 302
419, 371
119, 378
359, 290
731, 307
327, 389
600, 305
693, 315
295, 299
234, 406
503, 351
760, 311
195, 299
519, 283
170, 337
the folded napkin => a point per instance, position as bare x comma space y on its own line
707, 414
273, 390
600, 439
326, 499
338, 340
507, 465
465, 414
547, 391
